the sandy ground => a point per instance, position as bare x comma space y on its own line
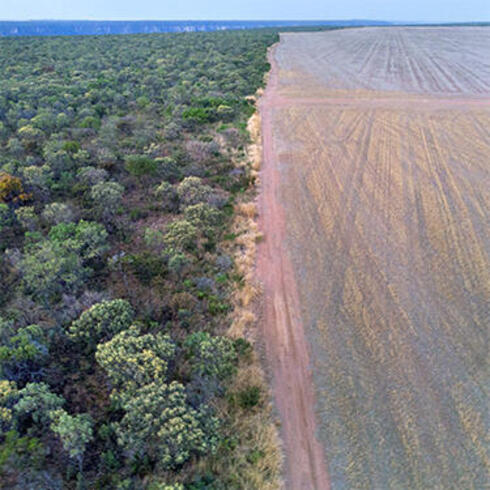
375, 265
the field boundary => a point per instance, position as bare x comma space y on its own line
282, 330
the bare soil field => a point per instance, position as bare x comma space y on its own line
376, 272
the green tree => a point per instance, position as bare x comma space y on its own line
75, 432
107, 197
101, 321
132, 360
181, 235
22, 353
49, 269
37, 400
86, 238
159, 423
211, 356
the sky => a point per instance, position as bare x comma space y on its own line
397, 10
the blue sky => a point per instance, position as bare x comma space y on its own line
408, 10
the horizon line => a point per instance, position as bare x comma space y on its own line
249, 20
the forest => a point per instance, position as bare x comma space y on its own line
121, 161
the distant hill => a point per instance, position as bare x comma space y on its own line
76, 27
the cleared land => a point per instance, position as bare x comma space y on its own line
375, 207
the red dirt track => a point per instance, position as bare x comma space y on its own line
286, 346
374, 204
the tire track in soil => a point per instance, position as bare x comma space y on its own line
285, 342
404, 305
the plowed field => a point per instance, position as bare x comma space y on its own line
375, 201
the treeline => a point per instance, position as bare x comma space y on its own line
104, 27
118, 178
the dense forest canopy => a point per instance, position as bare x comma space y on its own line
118, 176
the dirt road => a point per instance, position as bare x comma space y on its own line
286, 345
374, 204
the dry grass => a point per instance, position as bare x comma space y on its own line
254, 150
248, 209
257, 461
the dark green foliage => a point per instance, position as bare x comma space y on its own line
140, 165
20, 453
199, 115
22, 353
243, 347
249, 397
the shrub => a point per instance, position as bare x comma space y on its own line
102, 321
192, 191
200, 151
90, 122
165, 486
248, 397
243, 347
140, 165
167, 196
22, 457
168, 169
177, 261
146, 266
92, 176
153, 238
71, 146
8, 397
199, 115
